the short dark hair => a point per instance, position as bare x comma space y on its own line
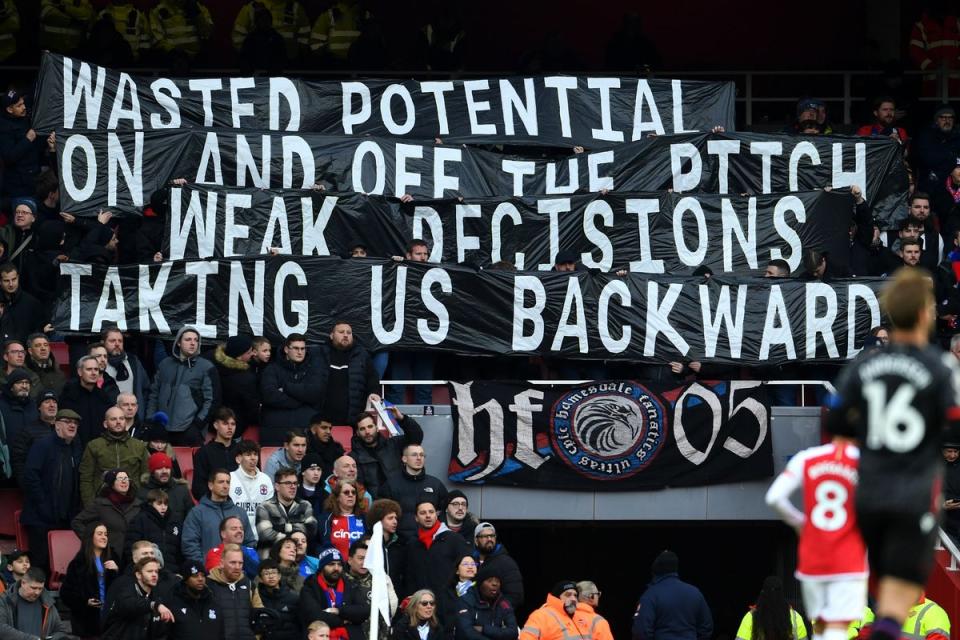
363, 416
293, 433
905, 295
879, 100
340, 321
108, 330
6, 344
223, 414
247, 446
142, 562
318, 418
294, 337
910, 221
919, 195
283, 472
158, 495
34, 574
416, 242
780, 265
223, 523
268, 563
909, 242
47, 183
216, 472
95, 345
357, 545
9, 267
36, 336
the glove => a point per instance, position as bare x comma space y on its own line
288, 528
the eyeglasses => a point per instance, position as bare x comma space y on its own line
459, 503
16, 352
468, 564
266, 573
289, 483
122, 479
427, 603
348, 493
486, 535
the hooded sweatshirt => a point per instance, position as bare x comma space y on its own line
183, 388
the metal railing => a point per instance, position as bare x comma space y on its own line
945, 543
774, 383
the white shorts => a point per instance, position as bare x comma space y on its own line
842, 600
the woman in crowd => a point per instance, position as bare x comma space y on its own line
342, 521
461, 582
284, 553
772, 618
89, 575
419, 620
116, 506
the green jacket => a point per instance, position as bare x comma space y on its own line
110, 452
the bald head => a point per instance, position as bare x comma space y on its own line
345, 468
113, 420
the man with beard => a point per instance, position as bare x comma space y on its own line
456, 515
935, 150
557, 617
234, 595
20, 313
126, 369
346, 375
493, 556
40, 361
328, 597
195, 614
160, 477
483, 613
361, 581
884, 115
136, 612
140, 550
39, 428
379, 458
16, 408
433, 554
321, 443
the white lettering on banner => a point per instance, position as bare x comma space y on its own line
105, 313
687, 448
504, 210
432, 304
119, 111
596, 181
74, 272
202, 270
383, 335
681, 154
150, 296
166, 93
297, 146
247, 164
602, 209
278, 219
466, 411
731, 225
435, 225
572, 305
464, 242
613, 288
553, 208
605, 132
858, 176
239, 109
522, 314
380, 171
85, 89
284, 88
658, 319
404, 179
518, 169
803, 149
442, 182
857, 292
252, 303
73, 143
723, 149
194, 224
686, 256
551, 187
766, 151
206, 87
210, 154
817, 324
722, 318
438, 88
644, 102
298, 307
350, 118
525, 109
231, 230
132, 176
313, 229
475, 107
676, 87
643, 208
562, 84
386, 110
776, 326
523, 408
794, 205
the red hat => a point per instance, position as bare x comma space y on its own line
159, 460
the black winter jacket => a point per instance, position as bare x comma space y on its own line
497, 619
407, 490
131, 615
380, 462
91, 405
21, 157
314, 602
22, 315
284, 602
403, 631
163, 531
194, 618
21, 444
234, 604
235, 386
292, 394
79, 585
116, 518
431, 569
178, 495
362, 381
328, 452
51, 483
210, 456
511, 582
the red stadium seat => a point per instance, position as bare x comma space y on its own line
11, 501
265, 453
63, 546
343, 435
252, 432
23, 542
184, 459
61, 353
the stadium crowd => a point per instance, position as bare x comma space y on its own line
231, 543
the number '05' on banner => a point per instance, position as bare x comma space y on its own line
617, 434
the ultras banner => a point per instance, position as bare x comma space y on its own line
560, 111
419, 306
615, 434
120, 170
643, 233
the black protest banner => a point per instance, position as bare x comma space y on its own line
418, 306
643, 233
560, 111
118, 170
610, 435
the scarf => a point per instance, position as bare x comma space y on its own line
119, 362
42, 365
463, 586
953, 191
426, 535
335, 598
118, 499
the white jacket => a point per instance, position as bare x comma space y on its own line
248, 492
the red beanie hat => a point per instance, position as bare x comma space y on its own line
159, 460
